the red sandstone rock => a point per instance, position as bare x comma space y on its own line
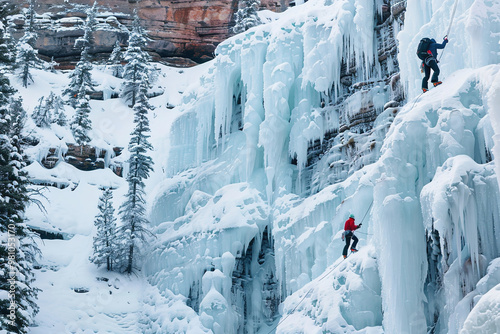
177, 28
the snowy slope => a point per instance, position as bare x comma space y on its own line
76, 296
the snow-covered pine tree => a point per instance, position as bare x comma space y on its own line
60, 118
134, 229
19, 114
51, 66
17, 247
7, 42
115, 60
55, 105
137, 68
5, 61
87, 40
105, 243
5, 93
41, 114
27, 56
7, 8
81, 124
246, 17
11, 43
30, 25
81, 78
27, 250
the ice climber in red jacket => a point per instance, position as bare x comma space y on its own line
349, 229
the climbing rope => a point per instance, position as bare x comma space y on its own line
416, 100
451, 22
452, 17
319, 280
367, 212
307, 294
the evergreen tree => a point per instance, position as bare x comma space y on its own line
6, 90
105, 243
19, 114
81, 124
27, 56
115, 60
49, 110
41, 114
116, 56
7, 42
89, 28
55, 105
60, 118
17, 248
246, 17
7, 8
11, 46
30, 25
134, 229
81, 78
50, 66
137, 70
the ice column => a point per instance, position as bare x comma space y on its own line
226, 77
280, 71
253, 56
402, 257
493, 101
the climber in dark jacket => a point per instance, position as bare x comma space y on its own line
349, 228
431, 63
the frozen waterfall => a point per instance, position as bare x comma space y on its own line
301, 122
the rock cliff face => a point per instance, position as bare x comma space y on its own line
353, 144
85, 158
177, 28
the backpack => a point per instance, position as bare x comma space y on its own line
423, 47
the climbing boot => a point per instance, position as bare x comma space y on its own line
437, 83
424, 90
354, 250
345, 256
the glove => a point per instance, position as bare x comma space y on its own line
360, 225
445, 40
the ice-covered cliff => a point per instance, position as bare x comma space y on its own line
261, 155
299, 123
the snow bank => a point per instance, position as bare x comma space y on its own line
197, 255
344, 299
484, 316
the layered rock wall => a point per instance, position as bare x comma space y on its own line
177, 28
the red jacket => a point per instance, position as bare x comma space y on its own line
350, 226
